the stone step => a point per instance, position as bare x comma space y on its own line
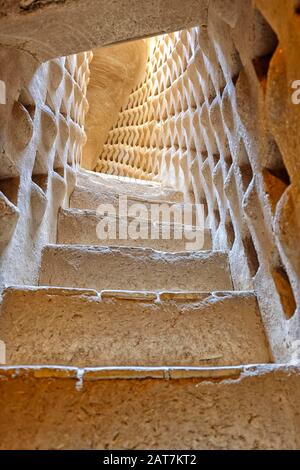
210, 408
91, 199
123, 180
79, 227
131, 187
85, 328
120, 268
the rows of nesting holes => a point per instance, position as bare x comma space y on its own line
39, 177
40, 173
246, 173
246, 176
276, 181
182, 106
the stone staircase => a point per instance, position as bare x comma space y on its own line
130, 345
77, 225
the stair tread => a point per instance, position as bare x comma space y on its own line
93, 213
88, 198
91, 199
79, 327
78, 226
117, 178
36, 399
145, 269
128, 186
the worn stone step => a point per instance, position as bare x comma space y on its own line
103, 268
131, 187
91, 199
84, 328
79, 227
224, 408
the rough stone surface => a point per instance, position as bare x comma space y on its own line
91, 23
77, 327
83, 198
258, 410
102, 182
133, 269
77, 226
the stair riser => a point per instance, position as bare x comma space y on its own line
133, 269
84, 228
41, 326
54, 413
83, 198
